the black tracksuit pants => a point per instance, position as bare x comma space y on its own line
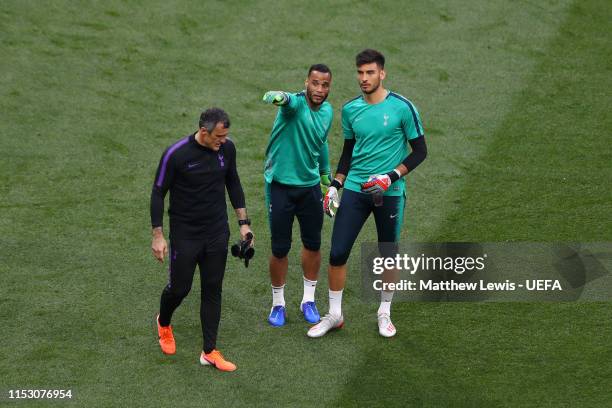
210, 255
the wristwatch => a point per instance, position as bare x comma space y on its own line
244, 222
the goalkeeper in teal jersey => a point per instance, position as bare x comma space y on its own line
297, 161
378, 126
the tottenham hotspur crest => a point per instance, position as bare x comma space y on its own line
386, 118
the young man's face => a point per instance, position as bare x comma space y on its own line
370, 76
317, 86
216, 138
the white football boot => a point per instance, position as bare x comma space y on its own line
327, 323
385, 327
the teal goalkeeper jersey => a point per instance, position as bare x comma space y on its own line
297, 152
381, 134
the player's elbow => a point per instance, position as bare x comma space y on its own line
421, 150
424, 152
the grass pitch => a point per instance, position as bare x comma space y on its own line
515, 102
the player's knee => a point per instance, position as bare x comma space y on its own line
212, 287
338, 257
311, 245
177, 291
280, 249
388, 249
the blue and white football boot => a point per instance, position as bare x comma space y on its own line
311, 314
327, 323
278, 315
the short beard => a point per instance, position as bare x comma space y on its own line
373, 90
309, 95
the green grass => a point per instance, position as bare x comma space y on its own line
515, 103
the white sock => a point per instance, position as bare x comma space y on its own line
335, 302
278, 296
385, 302
309, 290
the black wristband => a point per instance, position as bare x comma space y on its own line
244, 222
393, 176
336, 183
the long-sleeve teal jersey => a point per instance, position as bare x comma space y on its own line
297, 152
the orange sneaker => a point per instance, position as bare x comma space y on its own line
215, 358
166, 338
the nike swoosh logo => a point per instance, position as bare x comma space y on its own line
393, 216
192, 165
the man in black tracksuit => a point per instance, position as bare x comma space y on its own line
197, 170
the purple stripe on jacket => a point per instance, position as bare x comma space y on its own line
172, 149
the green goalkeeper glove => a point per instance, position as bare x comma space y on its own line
278, 98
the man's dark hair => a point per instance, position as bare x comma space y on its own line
210, 117
320, 68
369, 56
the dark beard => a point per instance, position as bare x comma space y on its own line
373, 90
309, 95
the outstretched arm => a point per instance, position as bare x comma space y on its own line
278, 98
